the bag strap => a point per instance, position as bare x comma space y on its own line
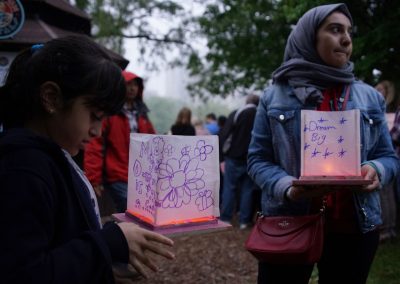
312, 220
239, 111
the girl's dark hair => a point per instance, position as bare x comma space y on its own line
78, 65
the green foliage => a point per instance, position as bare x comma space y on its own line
376, 42
241, 53
115, 20
211, 106
385, 268
163, 112
246, 40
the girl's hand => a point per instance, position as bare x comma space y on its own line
98, 189
141, 242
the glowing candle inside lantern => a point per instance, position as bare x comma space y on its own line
328, 168
330, 143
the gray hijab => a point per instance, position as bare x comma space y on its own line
302, 68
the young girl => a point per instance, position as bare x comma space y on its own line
51, 105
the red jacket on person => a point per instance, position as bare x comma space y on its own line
115, 144
106, 158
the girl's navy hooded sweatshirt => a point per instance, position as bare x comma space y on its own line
49, 229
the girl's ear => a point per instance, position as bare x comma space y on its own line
51, 97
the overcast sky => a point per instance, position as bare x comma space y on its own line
160, 82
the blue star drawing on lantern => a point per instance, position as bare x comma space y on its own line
321, 120
306, 146
202, 150
314, 153
340, 139
342, 121
327, 153
178, 181
341, 153
204, 200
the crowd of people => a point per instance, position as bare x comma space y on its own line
68, 95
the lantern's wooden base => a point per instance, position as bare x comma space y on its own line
331, 180
179, 230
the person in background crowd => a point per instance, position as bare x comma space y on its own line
106, 157
211, 124
387, 89
317, 74
238, 126
183, 125
199, 127
221, 123
221, 120
388, 194
53, 102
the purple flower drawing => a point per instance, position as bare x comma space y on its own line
202, 150
158, 146
204, 200
178, 181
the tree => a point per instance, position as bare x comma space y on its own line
115, 20
376, 42
245, 45
246, 40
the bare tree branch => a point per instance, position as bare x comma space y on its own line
163, 40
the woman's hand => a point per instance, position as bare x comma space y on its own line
297, 193
369, 173
141, 242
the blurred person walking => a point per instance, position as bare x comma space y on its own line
183, 125
389, 198
237, 133
211, 124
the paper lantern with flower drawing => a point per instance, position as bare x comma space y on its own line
330, 143
173, 180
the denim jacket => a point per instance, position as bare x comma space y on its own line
274, 151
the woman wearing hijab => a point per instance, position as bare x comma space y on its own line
315, 73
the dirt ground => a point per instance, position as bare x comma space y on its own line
208, 258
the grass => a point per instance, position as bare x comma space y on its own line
385, 268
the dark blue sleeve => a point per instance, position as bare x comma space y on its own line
32, 250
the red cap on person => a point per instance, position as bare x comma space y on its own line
129, 76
